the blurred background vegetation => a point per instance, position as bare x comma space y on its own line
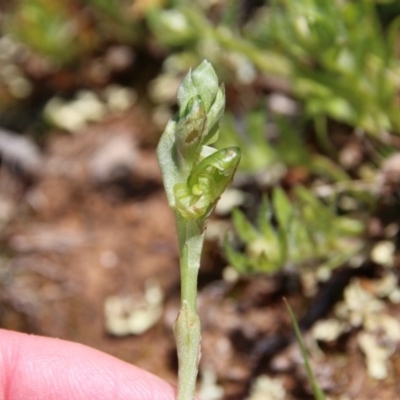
313, 101
308, 82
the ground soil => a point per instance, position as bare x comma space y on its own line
71, 241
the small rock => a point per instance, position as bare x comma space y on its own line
389, 180
281, 104
126, 315
119, 58
230, 199
383, 253
114, 160
267, 388
118, 98
20, 152
328, 330
375, 354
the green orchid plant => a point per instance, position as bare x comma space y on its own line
195, 175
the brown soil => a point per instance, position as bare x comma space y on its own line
72, 241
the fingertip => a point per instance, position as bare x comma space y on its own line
37, 367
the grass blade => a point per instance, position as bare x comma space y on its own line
317, 391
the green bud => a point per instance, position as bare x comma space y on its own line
205, 80
189, 129
195, 174
213, 117
197, 197
186, 91
219, 168
202, 82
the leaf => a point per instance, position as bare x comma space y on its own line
264, 221
236, 259
205, 80
284, 213
243, 227
282, 207
266, 264
167, 159
307, 230
317, 391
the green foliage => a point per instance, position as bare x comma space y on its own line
336, 55
193, 35
51, 29
339, 59
116, 20
303, 232
258, 152
343, 64
287, 149
63, 31
171, 28
317, 391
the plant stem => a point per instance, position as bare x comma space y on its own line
190, 238
187, 326
195, 175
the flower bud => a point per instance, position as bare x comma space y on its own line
202, 83
205, 80
195, 174
213, 116
189, 129
207, 181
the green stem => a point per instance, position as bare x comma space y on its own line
187, 326
194, 175
190, 238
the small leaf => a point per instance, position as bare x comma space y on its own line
284, 214
214, 115
244, 228
186, 91
167, 159
264, 222
282, 206
265, 264
238, 260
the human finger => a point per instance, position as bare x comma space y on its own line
38, 368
